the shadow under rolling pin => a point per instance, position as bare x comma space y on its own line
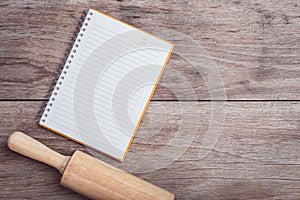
87, 175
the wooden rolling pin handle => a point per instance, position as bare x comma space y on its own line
27, 146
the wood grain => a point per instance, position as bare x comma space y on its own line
27, 146
254, 45
87, 175
255, 157
97, 180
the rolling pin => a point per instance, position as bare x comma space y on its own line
87, 175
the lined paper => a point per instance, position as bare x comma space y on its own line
106, 84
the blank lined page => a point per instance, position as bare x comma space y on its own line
106, 84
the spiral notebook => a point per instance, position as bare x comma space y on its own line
106, 84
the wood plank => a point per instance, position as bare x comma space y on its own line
254, 45
255, 157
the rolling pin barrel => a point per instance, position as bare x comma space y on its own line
87, 175
98, 180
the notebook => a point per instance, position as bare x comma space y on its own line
106, 84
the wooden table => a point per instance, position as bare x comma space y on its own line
255, 46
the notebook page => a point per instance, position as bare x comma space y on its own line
106, 84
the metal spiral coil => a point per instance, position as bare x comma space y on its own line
65, 65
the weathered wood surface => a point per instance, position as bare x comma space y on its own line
255, 47
254, 44
256, 156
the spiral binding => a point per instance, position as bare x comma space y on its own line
65, 64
